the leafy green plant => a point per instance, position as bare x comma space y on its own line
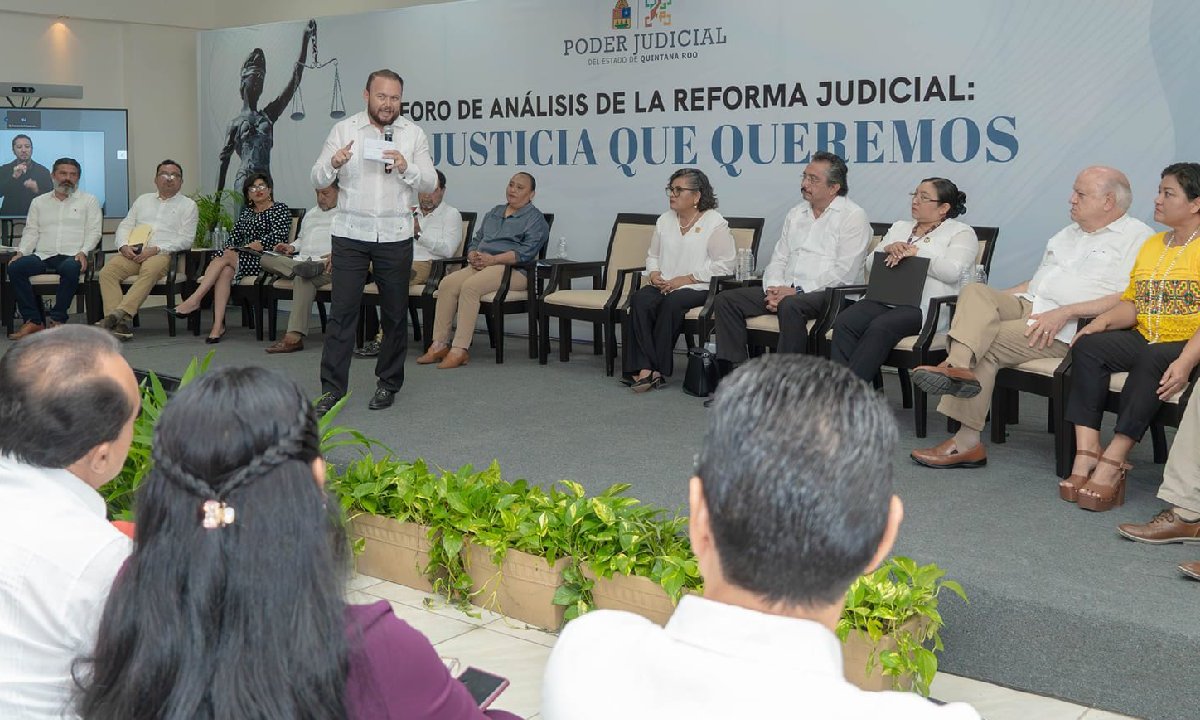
118, 494
900, 600
215, 208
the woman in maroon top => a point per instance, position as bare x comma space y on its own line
231, 605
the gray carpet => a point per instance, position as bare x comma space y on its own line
1059, 604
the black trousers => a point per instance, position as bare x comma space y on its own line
1095, 357
391, 264
865, 332
655, 321
732, 307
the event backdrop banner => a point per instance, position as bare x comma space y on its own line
602, 99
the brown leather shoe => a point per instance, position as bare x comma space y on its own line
26, 330
1165, 528
946, 380
290, 342
1191, 569
456, 358
947, 455
432, 356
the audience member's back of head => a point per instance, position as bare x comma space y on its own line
797, 478
56, 400
240, 620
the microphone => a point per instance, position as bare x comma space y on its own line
387, 137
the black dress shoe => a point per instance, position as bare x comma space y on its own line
383, 398
176, 313
326, 403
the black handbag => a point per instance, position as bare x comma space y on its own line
701, 377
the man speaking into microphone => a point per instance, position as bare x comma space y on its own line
381, 161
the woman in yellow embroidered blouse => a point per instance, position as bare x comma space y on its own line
1151, 334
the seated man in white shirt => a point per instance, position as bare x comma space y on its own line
63, 226
782, 520
160, 223
1084, 269
438, 233
308, 265
66, 423
823, 244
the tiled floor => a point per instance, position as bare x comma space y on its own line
494, 642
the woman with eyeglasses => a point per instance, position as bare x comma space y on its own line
263, 223
691, 244
232, 603
865, 332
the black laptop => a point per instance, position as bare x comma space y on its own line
900, 285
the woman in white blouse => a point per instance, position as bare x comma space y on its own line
691, 244
865, 332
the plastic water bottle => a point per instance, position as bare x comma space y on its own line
981, 274
966, 276
743, 265
562, 247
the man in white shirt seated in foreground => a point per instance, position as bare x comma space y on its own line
308, 266
1084, 269
784, 516
66, 423
159, 224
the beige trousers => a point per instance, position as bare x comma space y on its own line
988, 333
1181, 477
304, 290
420, 272
458, 301
118, 268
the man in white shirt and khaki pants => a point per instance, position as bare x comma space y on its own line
1083, 271
381, 162
62, 228
159, 223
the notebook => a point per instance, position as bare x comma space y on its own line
900, 285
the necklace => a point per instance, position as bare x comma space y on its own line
683, 228
1156, 304
913, 236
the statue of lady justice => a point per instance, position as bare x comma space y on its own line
252, 133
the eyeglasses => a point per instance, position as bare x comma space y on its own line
676, 191
922, 198
259, 188
169, 176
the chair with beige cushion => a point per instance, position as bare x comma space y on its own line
928, 347
418, 293
1169, 413
170, 286
697, 323
612, 282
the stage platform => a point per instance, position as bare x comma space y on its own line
1060, 605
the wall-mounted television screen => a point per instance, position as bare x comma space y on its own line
31, 139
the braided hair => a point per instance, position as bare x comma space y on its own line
244, 619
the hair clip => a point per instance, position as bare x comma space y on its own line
216, 515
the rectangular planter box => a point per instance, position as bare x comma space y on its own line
855, 652
522, 587
637, 595
395, 551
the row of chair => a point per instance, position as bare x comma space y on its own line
618, 276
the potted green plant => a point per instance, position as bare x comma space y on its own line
388, 503
215, 208
890, 627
